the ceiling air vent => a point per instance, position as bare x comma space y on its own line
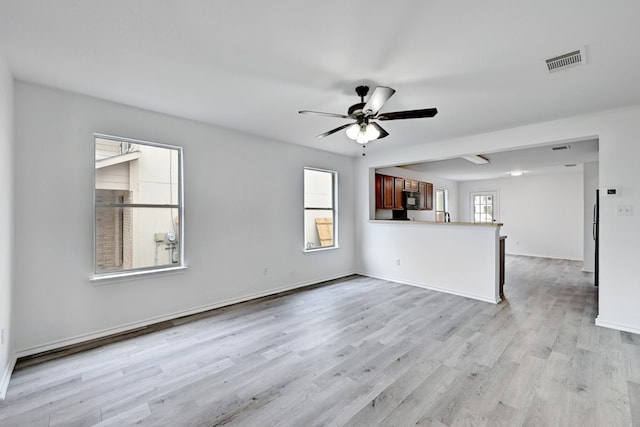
567, 60
561, 147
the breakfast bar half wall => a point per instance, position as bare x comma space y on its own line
457, 258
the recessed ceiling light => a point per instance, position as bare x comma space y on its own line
478, 160
515, 173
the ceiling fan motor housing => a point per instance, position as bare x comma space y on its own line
356, 109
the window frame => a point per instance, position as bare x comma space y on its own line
334, 209
180, 208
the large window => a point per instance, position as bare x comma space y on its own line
138, 206
319, 209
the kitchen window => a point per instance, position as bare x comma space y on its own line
320, 219
138, 207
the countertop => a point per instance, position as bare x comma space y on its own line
474, 224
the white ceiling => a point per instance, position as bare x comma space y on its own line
541, 160
250, 65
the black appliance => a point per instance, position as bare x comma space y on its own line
410, 200
399, 214
596, 235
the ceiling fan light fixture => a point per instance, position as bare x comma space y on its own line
362, 133
361, 139
371, 132
353, 131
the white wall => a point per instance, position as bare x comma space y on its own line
243, 213
618, 133
542, 214
590, 184
438, 182
6, 223
453, 258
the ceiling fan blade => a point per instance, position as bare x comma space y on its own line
383, 132
409, 114
320, 113
332, 131
377, 99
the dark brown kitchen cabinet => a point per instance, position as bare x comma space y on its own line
379, 191
422, 201
387, 192
399, 186
410, 185
426, 196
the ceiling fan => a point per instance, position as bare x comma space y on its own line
365, 129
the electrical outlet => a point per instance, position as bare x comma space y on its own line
624, 210
397, 261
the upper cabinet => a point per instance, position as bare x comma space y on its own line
422, 202
429, 196
379, 192
411, 185
399, 187
389, 192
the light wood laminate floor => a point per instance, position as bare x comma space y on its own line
358, 352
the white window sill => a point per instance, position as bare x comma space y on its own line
328, 248
103, 279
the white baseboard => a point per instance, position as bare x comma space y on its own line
617, 326
434, 288
135, 325
6, 376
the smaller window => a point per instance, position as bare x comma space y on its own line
320, 219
